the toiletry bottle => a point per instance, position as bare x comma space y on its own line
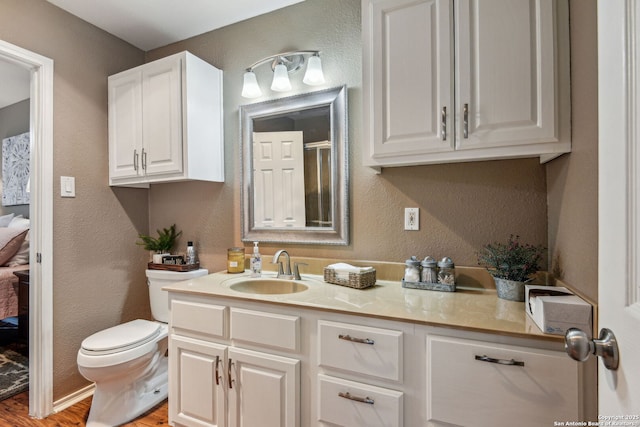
256, 262
191, 253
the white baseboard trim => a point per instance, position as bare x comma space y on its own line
73, 398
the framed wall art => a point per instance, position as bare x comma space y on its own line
15, 170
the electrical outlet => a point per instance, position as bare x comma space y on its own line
411, 219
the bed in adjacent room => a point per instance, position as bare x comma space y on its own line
14, 256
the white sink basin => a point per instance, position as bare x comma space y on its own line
267, 286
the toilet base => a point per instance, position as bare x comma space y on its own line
113, 404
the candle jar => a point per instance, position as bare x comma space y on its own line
235, 260
446, 271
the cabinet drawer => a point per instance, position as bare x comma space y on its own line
265, 329
483, 384
348, 403
200, 318
361, 349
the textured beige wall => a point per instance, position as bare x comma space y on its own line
98, 270
572, 180
462, 206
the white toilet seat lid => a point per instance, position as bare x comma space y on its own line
121, 337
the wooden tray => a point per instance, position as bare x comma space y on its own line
173, 267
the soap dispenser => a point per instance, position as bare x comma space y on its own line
256, 261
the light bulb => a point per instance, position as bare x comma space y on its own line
250, 88
281, 81
314, 76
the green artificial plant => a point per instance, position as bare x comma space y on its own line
164, 243
512, 260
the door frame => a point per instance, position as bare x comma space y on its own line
41, 233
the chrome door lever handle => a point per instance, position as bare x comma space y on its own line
578, 346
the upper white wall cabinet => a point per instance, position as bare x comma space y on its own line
165, 123
464, 80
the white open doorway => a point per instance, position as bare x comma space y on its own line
41, 234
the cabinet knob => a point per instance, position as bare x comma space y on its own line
578, 346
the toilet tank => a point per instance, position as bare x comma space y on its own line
159, 299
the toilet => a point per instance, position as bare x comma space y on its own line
128, 362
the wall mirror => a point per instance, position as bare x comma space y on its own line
295, 170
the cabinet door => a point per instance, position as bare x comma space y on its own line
263, 390
408, 84
197, 382
125, 125
162, 116
505, 80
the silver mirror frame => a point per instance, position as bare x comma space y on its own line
338, 234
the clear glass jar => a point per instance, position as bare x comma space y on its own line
429, 270
446, 271
235, 260
412, 270
191, 253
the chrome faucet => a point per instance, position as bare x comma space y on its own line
286, 273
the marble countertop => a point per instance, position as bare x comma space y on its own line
471, 309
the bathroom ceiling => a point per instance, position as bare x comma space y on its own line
148, 24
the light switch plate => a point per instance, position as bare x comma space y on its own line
67, 186
411, 219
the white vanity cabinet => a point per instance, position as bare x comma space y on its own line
246, 362
165, 122
215, 380
462, 80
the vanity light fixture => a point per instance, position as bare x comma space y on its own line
282, 65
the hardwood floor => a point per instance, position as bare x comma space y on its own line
14, 413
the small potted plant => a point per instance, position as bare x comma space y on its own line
161, 245
511, 264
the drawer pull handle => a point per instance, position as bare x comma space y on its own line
348, 395
443, 123
465, 120
229, 373
512, 362
217, 373
358, 340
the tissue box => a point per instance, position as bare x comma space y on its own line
556, 309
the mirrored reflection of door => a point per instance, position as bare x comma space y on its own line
278, 173
317, 171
